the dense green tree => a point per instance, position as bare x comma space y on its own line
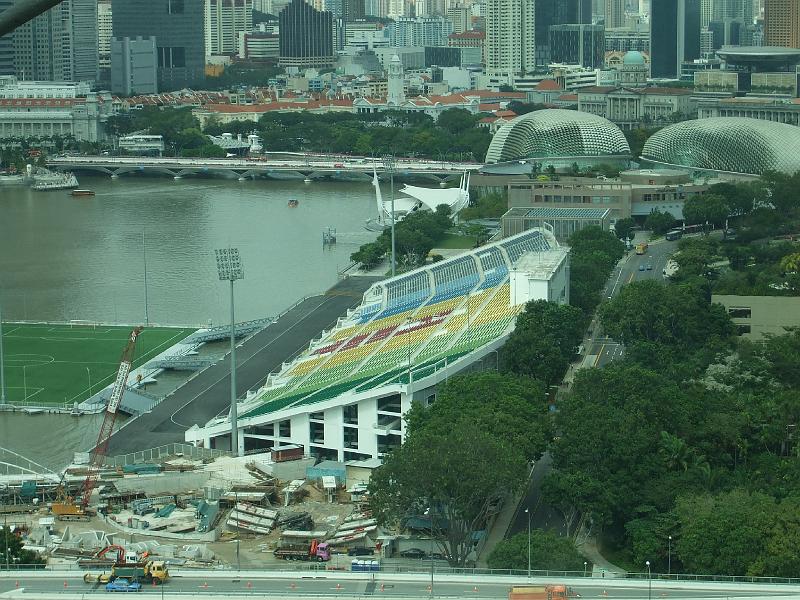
460, 477
624, 228
16, 556
659, 222
594, 239
647, 311
705, 208
456, 120
503, 403
369, 255
487, 206
548, 552
544, 341
724, 534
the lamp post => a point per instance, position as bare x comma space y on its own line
669, 555
229, 266
89, 375
2, 370
528, 512
649, 582
389, 163
585, 564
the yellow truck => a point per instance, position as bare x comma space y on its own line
153, 571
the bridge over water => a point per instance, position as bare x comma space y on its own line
286, 167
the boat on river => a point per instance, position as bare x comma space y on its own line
82, 193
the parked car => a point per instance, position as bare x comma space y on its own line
121, 584
649, 267
413, 553
641, 267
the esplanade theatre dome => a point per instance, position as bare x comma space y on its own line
728, 144
557, 134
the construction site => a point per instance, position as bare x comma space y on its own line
187, 506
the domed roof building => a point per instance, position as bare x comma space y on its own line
632, 57
634, 69
726, 144
559, 137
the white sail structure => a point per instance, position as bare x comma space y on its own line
416, 198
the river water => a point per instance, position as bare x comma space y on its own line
65, 258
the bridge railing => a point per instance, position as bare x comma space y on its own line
424, 569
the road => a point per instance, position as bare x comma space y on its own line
604, 350
338, 585
208, 394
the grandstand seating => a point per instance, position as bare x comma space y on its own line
427, 317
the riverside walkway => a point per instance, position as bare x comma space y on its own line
208, 393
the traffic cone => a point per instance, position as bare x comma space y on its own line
65, 584
249, 585
205, 585
429, 588
293, 586
604, 594
338, 586
16, 584
475, 588
382, 588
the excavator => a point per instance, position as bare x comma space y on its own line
65, 507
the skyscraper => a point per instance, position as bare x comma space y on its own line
782, 23
615, 13
733, 9
104, 33
6, 45
510, 37
60, 44
556, 12
223, 21
306, 36
674, 36
177, 26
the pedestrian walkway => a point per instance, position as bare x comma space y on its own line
602, 567
499, 528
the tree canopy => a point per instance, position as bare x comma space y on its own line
462, 457
548, 551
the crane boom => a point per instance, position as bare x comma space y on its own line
100, 449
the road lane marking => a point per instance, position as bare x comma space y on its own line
631, 277
599, 354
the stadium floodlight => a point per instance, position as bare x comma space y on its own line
389, 165
229, 267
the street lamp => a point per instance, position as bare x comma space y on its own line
89, 375
669, 555
649, 582
528, 512
229, 266
389, 163
585, 564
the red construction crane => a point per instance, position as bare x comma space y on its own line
100, 449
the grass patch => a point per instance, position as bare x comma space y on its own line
52, 364
454, 241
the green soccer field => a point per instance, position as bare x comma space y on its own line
54, 364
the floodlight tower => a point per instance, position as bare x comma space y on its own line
229, 266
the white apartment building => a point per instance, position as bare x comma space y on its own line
420, 31
510, 37
224, 20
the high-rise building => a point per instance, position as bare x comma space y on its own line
782, 23
420, 31
615, 13
306, 38
177, 26
578, 45
223, 21
674, 36
706, 12
134, 66
60, 44
510, 32
6, 45
556, 12
104, 33
733, 9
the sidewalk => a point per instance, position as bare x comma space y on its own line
601, 568
499, 528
